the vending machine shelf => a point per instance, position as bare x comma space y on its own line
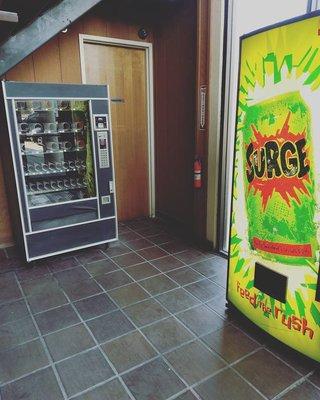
50, 172
49, 133
58, 189
35, 153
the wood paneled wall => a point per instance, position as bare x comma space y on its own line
201, 134
172, 29
175, 80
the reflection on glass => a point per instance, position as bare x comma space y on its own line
56, 150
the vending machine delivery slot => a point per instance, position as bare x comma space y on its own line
270, 282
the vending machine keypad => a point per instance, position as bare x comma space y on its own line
104, 159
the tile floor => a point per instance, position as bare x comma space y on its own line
144, 319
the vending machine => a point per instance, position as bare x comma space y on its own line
58, 164
273, 273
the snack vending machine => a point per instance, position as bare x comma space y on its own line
58, 164
273, 275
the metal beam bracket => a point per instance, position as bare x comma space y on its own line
6, 16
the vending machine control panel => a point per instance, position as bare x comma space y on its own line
104, 159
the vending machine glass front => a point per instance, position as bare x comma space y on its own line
56, 150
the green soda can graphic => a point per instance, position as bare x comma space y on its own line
279, 179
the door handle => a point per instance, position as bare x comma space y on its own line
117, 100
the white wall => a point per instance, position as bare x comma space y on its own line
215, 78
244, 16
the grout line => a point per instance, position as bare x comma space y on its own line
230, 366
145, 237
97, 386
13, 322
50, 359
245, 356
143, 363
52, 272
161, 272
282, 360
208, 348
195, 336
118, 308
173, 255
262, 347
171, 315
177, 286
47, 265
176, 396
107, 292
154, 348
312, 383
24, 376
249, 383
192, 390
292, 386
200, 336
6, 303
98, 346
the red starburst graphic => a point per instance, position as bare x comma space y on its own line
288, 187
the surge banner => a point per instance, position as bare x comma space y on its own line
275, 221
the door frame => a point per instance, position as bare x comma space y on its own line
148, 48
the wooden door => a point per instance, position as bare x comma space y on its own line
124, 69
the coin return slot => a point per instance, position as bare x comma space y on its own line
105, 200
270, 282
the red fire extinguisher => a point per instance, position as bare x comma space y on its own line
197, 173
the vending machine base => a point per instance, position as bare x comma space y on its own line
58, 163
